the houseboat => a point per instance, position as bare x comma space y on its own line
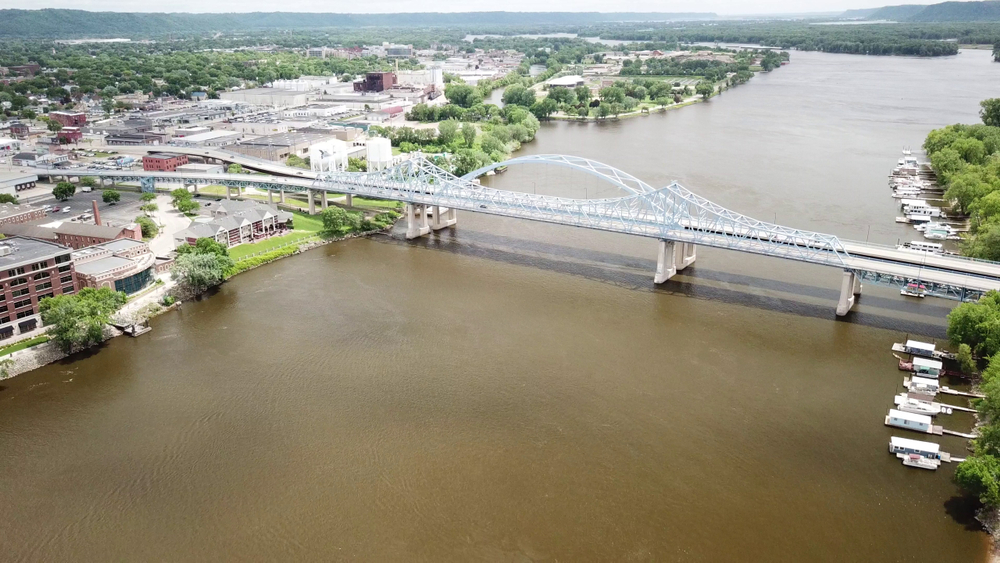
922, 385
914, 453
921, 246
925, 349
936, 226
909, 421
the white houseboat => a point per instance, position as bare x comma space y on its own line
909, 421
922, 385
921, 246
911, 404
925, 455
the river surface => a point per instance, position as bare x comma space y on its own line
510, 391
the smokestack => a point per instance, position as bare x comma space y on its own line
97, 214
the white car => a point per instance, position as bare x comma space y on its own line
65, 209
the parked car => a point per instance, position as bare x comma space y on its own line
65, 209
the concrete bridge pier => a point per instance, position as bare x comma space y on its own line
350, 200
850, 288
416, 227
322, 197
666, 267
684, 255
270, 197
312, 202
281, 196
442, 219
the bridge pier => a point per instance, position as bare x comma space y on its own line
416, 227
270, 197
442, 219
684, 255
322, 197
850, 287
312, 202
666, 267
281, 196
350, 200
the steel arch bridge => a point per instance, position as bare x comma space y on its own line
677, 217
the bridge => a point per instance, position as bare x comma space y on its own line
679, 219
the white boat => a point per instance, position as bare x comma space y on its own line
914, 460
908, 404
922, 385
921, 246
936, 235
914, 290
936, 226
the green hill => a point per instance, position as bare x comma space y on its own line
79, 23
959, 12
896, 13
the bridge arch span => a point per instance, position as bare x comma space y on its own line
610, 174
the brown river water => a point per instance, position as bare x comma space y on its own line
512, 391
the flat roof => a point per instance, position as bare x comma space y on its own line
162, 155
921, 345
918, 361
118, 245
8, 175
925, 381
285, 139
10, 209
914, 444
26, 250
921, 418
570, 80
102, 265
208, 136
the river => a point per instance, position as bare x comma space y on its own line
517, 391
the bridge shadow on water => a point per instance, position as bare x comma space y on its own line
637, 274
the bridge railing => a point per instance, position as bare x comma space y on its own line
950, 256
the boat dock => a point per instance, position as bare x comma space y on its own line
933, 351
954, 433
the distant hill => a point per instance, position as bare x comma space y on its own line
959, 12
79, 23
988, 11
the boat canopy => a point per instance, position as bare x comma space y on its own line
919, 362
915, 445
917, 418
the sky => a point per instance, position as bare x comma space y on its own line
721, 7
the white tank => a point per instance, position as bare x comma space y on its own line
379, 153
328, 156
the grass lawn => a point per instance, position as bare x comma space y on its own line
379, 203
24, 344
214, 189
270, 244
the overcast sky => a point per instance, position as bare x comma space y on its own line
721, 7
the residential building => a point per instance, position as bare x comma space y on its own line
19, 129
69, 118
69, 135
163, 162
122, 265
9, 146
237, 222
138, 138
375, 82
73, 235
30, 270
11, 214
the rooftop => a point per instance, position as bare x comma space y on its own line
25, 250
121, 244
163, 155
285, 139
9, 210
208, 136
97, 267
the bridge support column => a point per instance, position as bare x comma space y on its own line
442, 219
416, 227
665, 265
312, 202
350, 200
849, 287
281, 196
684, 255
270, 197
322, 198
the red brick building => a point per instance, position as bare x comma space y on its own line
19, 130
69, 118
375, 82
30, 270
163, 162
69, 135
73, 235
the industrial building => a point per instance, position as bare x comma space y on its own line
208, 139
280, 146
69, 118
267, 97
122, 265
163, 162
13, 181
375, 82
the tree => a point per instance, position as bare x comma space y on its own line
563, 96
54, 126
108, 105
296, 161
235, 168
199, 271
5, 365
204, 245
980, 476
612, 94
88, 181
467, 160
149, 228
965, 360
543, 108
462, 95
77, 321
148, 197
338, 221
583, 95
149, 208
469, 134
990, 112
63, 191
8, 198
111, 196
704, 89
187, 205
977, 324
518, 95
447, 131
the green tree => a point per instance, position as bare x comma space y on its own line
187, 205
469, 134
111, 196
108, 105
77, 321
149, 208
583, 95
518, 95
447, 131
199, 271
149, 228
338, 221
5, 365
543, 108
977, 324
980, 476
985, 243
8, 198
462, 95
296, 161
63, 191
468, 160
204, 245
612, 94
147, 197
704, 89
235, 168
990, 112
54, 126
88, 181
965, 360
